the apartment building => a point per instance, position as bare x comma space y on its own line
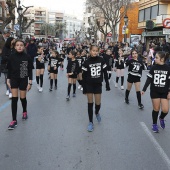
151, 16
55, 16
40, 15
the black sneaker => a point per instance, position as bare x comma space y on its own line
68, 98
55, 87
50, 89
74, 94
141, 106
12, 125
126, 101
24, 116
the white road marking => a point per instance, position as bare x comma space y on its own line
156, 144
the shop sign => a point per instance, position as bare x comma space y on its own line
166, 22
152, 34
166, 31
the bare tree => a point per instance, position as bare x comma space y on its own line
11, 17
47, 29
110, 10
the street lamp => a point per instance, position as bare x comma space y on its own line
125, 27
19, 10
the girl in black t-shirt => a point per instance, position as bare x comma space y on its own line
72, 72
93, 70
40, 68
158, 78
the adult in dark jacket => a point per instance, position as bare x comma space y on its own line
32, 49
7, 50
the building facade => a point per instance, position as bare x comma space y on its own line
151, 16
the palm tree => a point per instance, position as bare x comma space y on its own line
60, 29
48, 29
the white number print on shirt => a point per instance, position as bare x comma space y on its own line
159, 80
136, 67
95, 70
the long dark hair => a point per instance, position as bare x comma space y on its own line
163, 55
8, 42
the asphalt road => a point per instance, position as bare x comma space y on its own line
55, 136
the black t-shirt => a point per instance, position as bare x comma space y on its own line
160, 77
80, 61
119, 64
94, 67
109, 60
72, 66
54, 62
41, 62
135, 67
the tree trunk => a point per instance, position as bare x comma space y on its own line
105, 36
113, 34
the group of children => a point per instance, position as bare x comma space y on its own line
90, 73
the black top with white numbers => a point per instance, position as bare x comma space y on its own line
54, 62
80, 61
94, 67
160, 77
119, 63
72, 66
135, 67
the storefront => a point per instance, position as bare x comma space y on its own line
154, 36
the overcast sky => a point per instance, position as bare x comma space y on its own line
69, 6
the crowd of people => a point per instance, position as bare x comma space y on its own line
87, 64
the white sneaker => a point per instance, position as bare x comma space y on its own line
122, 87
10, 95
79, 87
7, 93
116, 85
40, 89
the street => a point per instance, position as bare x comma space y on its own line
55, 135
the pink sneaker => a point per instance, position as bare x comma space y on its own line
24, 116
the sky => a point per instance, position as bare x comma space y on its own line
74, 7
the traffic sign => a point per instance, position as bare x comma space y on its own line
16, 27
166, 22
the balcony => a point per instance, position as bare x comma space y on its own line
39, 21
40, 16
37, 28
160, 18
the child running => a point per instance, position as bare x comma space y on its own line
79, 77
54, 63
72, 71
19, 80
40, 67
93, 69
119, 69
159, 77
134, 76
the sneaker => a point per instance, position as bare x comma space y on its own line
90, 127
50, 89
68, 97
55, 88
98, 117
74, 94
12, 125
141, 106
40, 89
122, 87
162, 123
126, 101
24, 116
79, 87
10, 95
116, 85
7, 93
155, 128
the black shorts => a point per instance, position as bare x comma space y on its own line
94, 88
54, 71
40, 66
79, 70
133, 79
109, 68
20, 83
74, 76
157, 95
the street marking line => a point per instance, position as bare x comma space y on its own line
5, 105
156, 144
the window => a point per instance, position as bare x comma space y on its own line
147, 14
141, 15
163, 9
154, 11
0, 11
